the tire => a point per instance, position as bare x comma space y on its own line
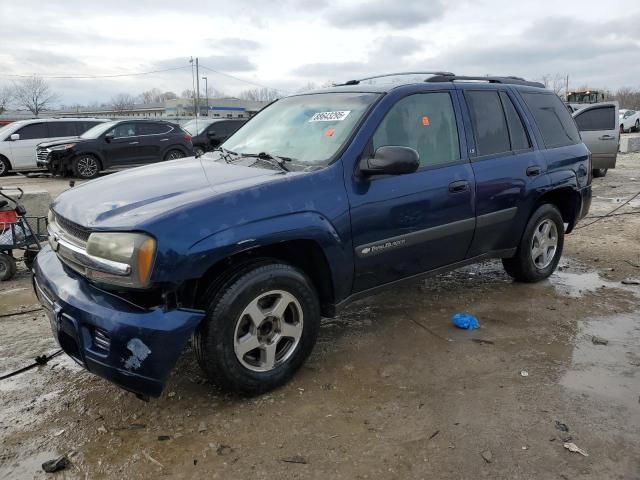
28, 258
637, 125
198, 151
544, 233
238, 312
86, 166
173, 155
7, 267
599, 172
5, 166
622, 128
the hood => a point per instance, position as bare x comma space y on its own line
129, 199
63, 142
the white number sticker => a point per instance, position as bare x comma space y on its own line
330, 116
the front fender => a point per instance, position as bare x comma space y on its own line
313, 226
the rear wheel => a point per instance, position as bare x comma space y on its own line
260, 326
198, 151
599, 172
173, 155
7, 267
540, 248
28, 258
4, 166
637, 125
86, 166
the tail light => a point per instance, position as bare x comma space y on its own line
187, 137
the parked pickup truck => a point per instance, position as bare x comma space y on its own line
320, 199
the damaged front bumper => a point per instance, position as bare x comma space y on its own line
133, 347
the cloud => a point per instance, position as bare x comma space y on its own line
406, 14
224, 63
234, 44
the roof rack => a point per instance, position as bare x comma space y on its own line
356, 82
511, 80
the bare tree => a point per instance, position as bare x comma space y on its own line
260, 94
213, 92
34, 94
555, 82
187, 93
6, 96
122, 102
627, 98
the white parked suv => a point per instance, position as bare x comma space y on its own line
18, 140
629, 120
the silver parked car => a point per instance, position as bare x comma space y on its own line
598, 125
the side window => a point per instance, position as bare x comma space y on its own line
62, 129
84, 126
489, 123
124, 130
425, 122
602, 118
553, 119
517, 131
152, 128
33, 131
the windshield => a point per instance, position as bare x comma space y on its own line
308, 129
98, 130
196, 127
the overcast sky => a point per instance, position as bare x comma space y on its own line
287, 43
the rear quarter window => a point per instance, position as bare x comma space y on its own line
554, 121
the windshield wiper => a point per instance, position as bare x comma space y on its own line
225, 153
272, 159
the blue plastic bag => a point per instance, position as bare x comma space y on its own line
465, 321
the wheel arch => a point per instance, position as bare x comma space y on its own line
6, 159
567, 200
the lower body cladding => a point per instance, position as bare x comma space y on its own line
132, 347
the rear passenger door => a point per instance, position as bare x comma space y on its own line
598, 128
154, 139
505, 166
403, 225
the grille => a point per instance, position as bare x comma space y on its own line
72, 229
43, 154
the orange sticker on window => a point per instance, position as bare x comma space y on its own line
329, 132
425, 120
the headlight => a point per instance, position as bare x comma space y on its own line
134, 249
66, 146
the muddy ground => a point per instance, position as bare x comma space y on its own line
392, 389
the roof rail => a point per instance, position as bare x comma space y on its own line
511, 80
356, 82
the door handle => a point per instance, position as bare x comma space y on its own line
133, 143
533, 171
607, 137
460, 186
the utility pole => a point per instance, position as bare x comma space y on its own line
566, 88
206, 92
197, 89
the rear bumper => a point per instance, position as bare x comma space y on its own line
132, 347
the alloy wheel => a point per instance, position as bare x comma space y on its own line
268, 331
544, 243
87, 166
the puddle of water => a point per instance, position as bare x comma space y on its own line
576, 285
609, 371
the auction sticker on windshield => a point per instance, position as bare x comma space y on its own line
330, 116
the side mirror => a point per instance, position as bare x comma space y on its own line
15, 136
108, 137
390, 160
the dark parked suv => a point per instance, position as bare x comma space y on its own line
211, 133
116, 144
322, 198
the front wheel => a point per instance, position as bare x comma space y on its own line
637, 125
540, 248
198, 151
599, 172
260, 327
4, 166
86, 167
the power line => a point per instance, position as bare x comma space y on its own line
136, 74
241, 79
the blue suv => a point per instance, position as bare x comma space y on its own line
320, 199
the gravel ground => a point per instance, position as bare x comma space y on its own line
392, 390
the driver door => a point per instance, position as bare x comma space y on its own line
403, 225
125, 147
